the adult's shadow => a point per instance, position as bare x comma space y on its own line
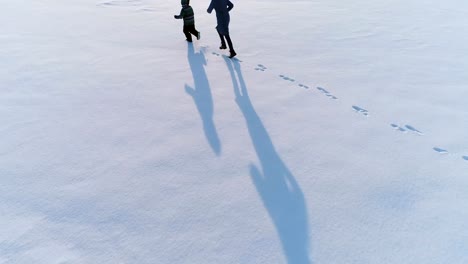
280, 193
202, 97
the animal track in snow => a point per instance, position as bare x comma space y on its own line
327, 93
440, 150
465, 157
361, 110
303, 86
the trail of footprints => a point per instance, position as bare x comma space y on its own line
403, 129
410, 128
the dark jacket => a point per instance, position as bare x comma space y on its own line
187, 14
222, 8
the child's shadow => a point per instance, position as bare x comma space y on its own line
202, 97
280, 193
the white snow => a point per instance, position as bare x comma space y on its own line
339, 136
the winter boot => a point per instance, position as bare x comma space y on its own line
232, 54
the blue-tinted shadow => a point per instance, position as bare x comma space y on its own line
280, 193
202, 97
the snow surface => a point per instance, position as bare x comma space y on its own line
337, 137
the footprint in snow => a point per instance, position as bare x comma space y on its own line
397, 127
260, 67
224, 56
234, 59
327, 93
465, 158
303, 86
121, 3
361, 110
440, 150
286, 78
147, 10
407, 128
411, 128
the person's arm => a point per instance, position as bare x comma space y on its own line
181, 14
229, 5
210, 8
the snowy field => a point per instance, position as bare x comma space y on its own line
339, 135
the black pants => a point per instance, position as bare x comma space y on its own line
229, 42
190, 30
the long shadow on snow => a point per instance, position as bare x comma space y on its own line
280, 193
201, 95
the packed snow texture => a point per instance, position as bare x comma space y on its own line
337, 136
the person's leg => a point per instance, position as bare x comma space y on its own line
223, 43
231, 48
187, 33
194, 32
